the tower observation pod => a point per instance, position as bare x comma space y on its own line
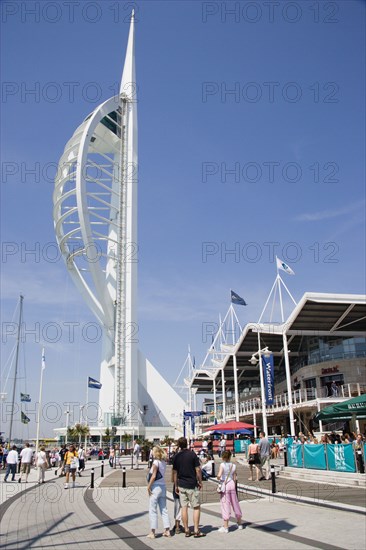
95, 217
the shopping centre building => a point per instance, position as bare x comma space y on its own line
319, 358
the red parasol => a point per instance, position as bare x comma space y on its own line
233, 425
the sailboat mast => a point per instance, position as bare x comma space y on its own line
21, 298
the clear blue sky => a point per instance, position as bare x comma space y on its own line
293, 132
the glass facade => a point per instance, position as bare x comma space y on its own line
326, 348
318, 349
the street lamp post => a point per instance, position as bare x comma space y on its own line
265, 351
67, 412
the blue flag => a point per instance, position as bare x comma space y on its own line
25, 397
94, 383
268, 375
24, 418
237, 300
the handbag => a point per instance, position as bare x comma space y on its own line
158, 476
74, 463
253, 458
222, 484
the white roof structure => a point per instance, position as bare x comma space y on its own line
317, 314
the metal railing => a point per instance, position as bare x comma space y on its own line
300, 398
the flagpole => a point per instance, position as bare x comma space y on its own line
86, 411
280, 295
232, 323
21, 298
40, 398
87, 400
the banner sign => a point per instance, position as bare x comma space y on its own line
294, 456
190, 414
241, 445
341, 458
268, 375
314, 457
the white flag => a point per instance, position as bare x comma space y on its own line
43, 360
281, 265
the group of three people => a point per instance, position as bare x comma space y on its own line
26, 459
73, 460
187, 484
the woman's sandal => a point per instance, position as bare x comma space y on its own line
166, 534
188, 533
199, 534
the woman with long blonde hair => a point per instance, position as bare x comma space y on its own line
157, 491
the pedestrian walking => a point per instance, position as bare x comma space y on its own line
62, 453
71, 463
26, 459
81, 457
254, 459
265, 454
11, 463
5, 457
136, 454
222, 446
177, 508
228, 497
188, 483
111, 457
210, 448
358, 445
42, 464
156, 489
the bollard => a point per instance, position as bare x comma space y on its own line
124, 477
285, 456
213, 469
92, 479
273, 478
102, 469
131, 459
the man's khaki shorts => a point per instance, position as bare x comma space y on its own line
26, 467
189, 496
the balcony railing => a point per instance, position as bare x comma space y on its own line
300, 398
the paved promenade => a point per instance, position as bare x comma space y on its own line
108, 516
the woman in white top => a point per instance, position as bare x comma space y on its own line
157, 490
42, 464
228, 496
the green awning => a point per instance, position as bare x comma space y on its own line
355, 407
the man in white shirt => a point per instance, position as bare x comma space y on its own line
222, 445
11, 463
136, 454
26, 459
81, 456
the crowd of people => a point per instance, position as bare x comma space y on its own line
191, 465
66, 461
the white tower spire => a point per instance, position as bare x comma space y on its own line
95, 212
128, 80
